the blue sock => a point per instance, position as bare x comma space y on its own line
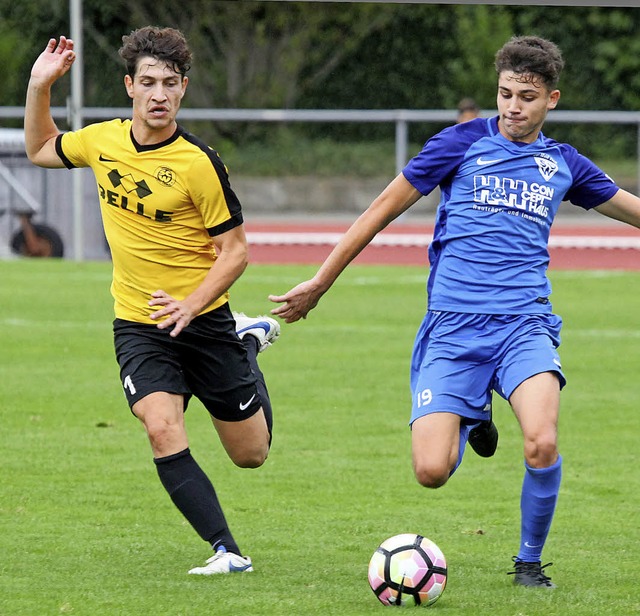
537, 504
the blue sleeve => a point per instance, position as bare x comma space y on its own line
591, 186
442, 154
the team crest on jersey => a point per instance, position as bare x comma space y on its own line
165, 176
546, 165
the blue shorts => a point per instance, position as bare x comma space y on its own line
460, 359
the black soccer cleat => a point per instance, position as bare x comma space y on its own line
484, 438
531, 574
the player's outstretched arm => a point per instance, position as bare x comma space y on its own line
40, 130
623, 206
396, 198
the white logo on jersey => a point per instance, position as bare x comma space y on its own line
546, 165
481, 161
531, 197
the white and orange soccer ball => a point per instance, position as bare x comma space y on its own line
408, 570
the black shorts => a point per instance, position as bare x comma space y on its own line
206, 360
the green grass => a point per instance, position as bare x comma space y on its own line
88, 530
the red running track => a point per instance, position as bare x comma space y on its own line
612, 246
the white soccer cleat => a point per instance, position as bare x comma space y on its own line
265, 329
224, 562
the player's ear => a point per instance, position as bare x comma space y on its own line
128, 84
554, 97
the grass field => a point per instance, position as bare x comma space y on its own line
88, 530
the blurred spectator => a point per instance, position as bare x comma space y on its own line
467, 110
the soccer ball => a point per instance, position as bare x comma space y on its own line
408, 570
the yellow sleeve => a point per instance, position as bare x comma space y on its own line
212, 194
76, 148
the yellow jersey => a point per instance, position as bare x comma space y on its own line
161, 206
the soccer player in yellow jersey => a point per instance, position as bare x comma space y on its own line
175, 230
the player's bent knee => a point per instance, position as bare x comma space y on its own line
246, 442
432, 475
249, 454
253, 458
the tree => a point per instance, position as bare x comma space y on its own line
478, 32
254, 54
600, 47
25, 28
427, 57
257, 54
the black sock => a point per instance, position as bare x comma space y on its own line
194, 495
252, 345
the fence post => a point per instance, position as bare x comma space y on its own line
638, 161
76, 121
401, 144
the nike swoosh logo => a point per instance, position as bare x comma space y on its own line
106, 160
244, 406
491, 161
528, 545
235, 568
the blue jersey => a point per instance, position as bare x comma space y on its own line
489, 253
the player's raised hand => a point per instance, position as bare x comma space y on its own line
54, 61
297, 302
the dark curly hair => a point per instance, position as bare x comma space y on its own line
531, 57
166, 44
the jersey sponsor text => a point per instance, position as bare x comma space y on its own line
516, 194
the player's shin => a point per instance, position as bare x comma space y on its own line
194, 495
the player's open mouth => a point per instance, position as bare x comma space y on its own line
158, 111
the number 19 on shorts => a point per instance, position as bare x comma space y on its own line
423, 398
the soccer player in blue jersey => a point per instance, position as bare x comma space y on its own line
176, 234
489, 324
